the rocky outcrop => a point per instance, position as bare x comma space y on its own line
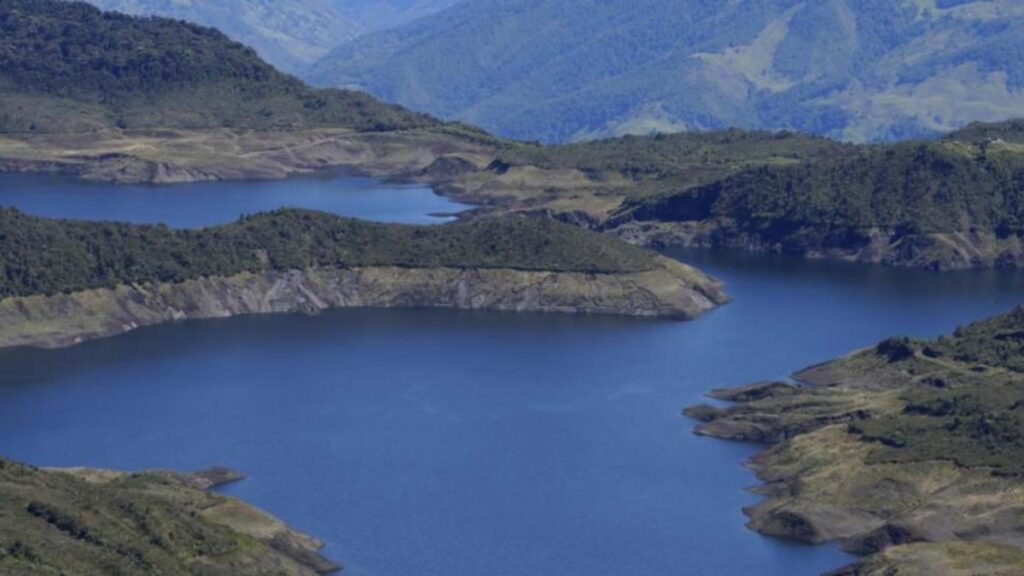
672, 290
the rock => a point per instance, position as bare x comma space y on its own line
214, 477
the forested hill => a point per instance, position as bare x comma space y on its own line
85, 255
67, 67
557, 70
968, 183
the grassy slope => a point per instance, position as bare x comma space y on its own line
83, 522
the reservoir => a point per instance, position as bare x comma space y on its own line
460, 443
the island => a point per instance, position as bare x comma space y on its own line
97, 279
910, 453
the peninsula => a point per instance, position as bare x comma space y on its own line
909, 453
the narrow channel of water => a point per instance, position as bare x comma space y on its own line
198, 204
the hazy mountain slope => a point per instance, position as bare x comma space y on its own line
67, 67
290, 34
382, 14
563, 69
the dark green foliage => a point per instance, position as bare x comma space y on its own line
66, 66
982, 133
967, 182
973, 413
40, 256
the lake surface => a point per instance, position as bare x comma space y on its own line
457, 443
198, 204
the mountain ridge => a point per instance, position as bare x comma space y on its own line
555, 71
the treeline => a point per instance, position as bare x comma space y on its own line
67, 64
42, 256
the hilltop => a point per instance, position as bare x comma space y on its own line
68, 67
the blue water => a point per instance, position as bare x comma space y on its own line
466, 444
200, 204
456, 443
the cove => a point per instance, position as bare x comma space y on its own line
434, 442
199, 204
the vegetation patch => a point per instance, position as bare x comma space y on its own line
85, 255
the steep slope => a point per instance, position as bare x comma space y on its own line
563, 69
908, 452
290, 34
67, 67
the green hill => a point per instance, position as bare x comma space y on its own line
556, 70
68, 67
969, 181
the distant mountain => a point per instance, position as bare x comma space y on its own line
553, 70
67, 67
375, 15
290, 34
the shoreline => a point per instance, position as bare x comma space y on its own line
847, 455
671, 291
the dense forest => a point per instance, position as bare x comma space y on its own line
67, 66
973, 179
84, 255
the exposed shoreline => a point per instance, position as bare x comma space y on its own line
672, 291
